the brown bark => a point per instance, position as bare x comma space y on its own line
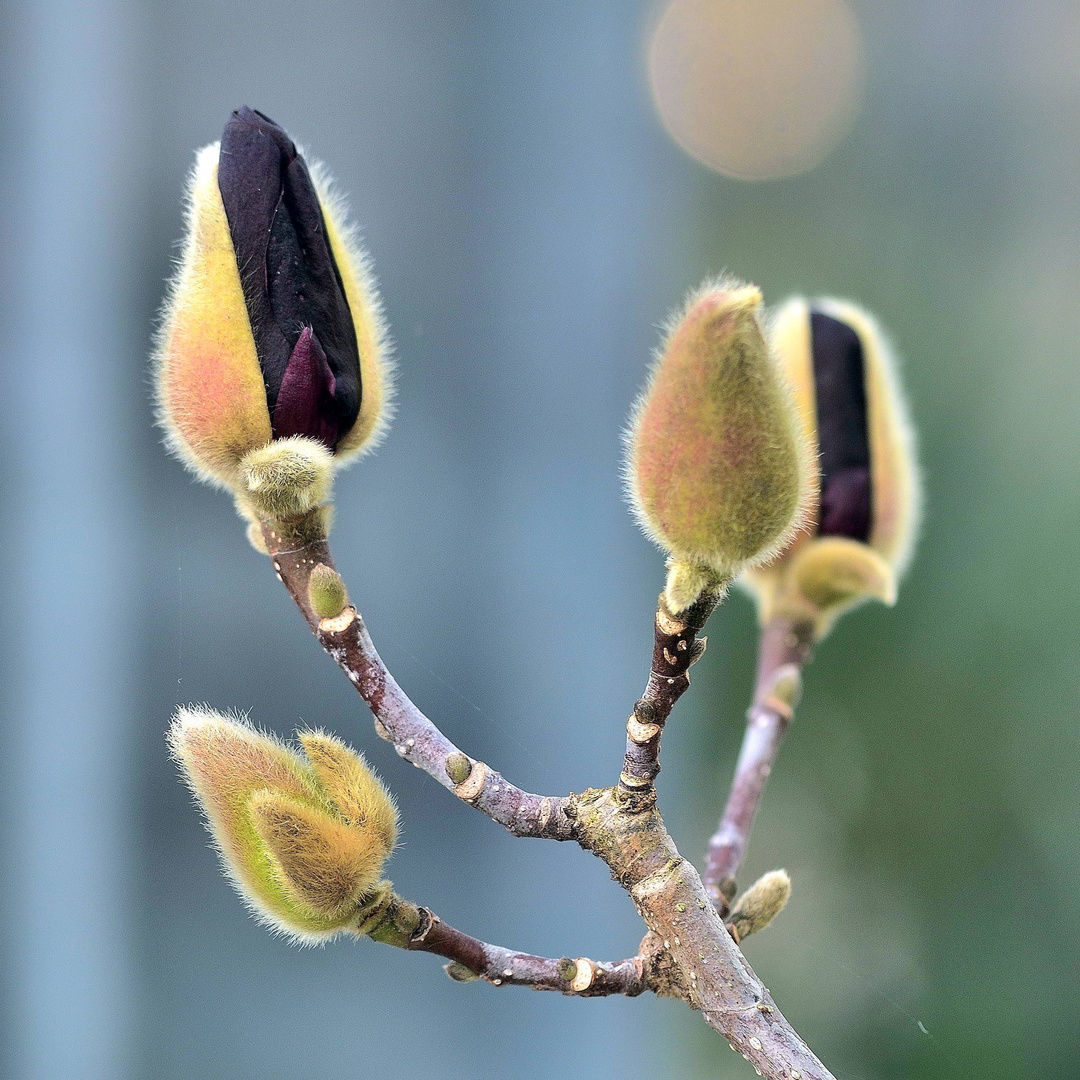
688, 952
398, 922
296, 549
675, 648
783, 650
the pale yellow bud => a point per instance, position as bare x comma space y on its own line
286, 478
303, 840
356, 792
760, 904
325, 865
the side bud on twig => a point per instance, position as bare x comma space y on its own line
760, 904
327, 594
865, 503
303, 840
717, 470
271, 333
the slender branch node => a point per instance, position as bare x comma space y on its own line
584, 974
469, 789
338, 623
783, 695
668, 624
639, 732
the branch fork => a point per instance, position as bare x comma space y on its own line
688, 952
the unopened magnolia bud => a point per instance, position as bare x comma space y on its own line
760, 904
326, 592
272, 327
717, 470
303, 840
286, 478
865, 502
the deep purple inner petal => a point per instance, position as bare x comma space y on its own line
288, 272
305, 401
843, 432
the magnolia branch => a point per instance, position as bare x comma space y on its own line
295, 552
688, 952
578, 976
676, 647
783, 650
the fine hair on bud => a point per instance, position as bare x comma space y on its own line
287, 477
760, 904
375, 345
348, 781
303, 837
326, 592
717, 468
326, 866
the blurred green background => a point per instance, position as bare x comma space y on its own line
532, 221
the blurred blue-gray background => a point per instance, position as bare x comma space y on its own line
532, 220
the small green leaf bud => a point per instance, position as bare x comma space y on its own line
865, 500
326, 592
717, 469
458, 767
567, 969
304, 840
760, 904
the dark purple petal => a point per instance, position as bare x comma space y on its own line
305, 400
843, 434
288, 272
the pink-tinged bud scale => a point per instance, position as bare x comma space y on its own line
717, 471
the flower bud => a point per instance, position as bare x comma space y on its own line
760, 904
303, 840
272, 328
865, 501
717, 470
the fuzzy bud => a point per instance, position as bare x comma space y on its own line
303, 839
760, 904
326, 592
272, 328
286, 478
458, 767
717, 470
865, 500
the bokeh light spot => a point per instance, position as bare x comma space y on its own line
757, 89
